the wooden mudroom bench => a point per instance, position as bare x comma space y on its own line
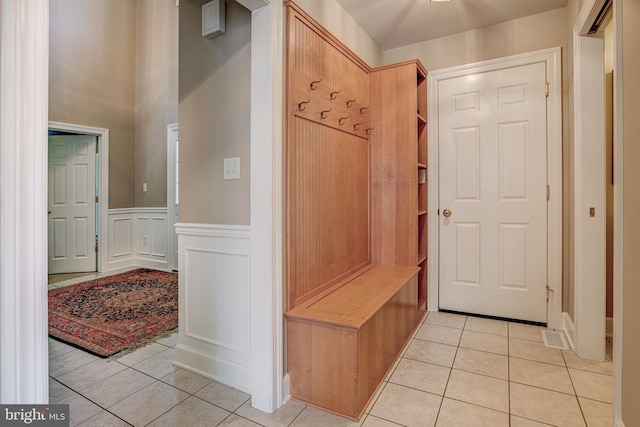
342, 343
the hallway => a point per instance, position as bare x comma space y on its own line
455, 371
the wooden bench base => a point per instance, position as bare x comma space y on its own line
341, 345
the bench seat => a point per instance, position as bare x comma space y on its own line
342, 343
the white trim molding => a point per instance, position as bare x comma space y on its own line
103, 183
269, 382
215, 307
618, 212
172, 211
551, 57
569, 329
138, 238
24, 80
589, 313
254, 4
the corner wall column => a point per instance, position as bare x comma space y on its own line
24, 79
267, 338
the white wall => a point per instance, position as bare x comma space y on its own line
335, 19
532, 33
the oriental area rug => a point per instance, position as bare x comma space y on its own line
110, 314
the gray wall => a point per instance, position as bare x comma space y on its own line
156, 96
214, 122
92, 64
114, 65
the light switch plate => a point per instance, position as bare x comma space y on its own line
232, 168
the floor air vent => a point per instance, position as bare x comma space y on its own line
554, 339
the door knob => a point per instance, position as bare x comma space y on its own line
446, 213
49, 212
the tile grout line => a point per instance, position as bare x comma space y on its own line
450, 371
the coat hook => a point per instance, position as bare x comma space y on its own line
323, 114
363, 109
333, 94
341, 120
314, 84
368, 131
350, 102
300, 105
356, 126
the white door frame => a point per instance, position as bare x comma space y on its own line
590, 191
24, 84
171, 194
103, 184
554, 170
269, 384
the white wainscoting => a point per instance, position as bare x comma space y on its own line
138, 238
215, 309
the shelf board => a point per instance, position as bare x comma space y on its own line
421, 120
422, 166
420, 213
421, 258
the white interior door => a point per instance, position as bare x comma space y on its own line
493, 193
72, 203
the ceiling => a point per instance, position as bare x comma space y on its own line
394, 23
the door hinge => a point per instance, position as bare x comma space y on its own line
549, 291
548, 191
438, 212
97, 199
546, 89
97, 149
97, 248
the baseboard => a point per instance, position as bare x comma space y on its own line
620, 423
286, 389
151, 263
609, 327
213, 366
569, 329
138, 263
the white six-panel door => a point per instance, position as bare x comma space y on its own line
72, 204
493, 203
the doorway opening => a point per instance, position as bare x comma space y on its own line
549, 60
99, 187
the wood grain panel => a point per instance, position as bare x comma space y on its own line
328, 207
339, 368
394, 160
324, 359
328, 160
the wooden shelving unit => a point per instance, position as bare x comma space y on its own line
356, 175
399, 168
421, 96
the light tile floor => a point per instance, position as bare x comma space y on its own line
456, 371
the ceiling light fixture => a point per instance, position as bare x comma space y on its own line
439, 1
